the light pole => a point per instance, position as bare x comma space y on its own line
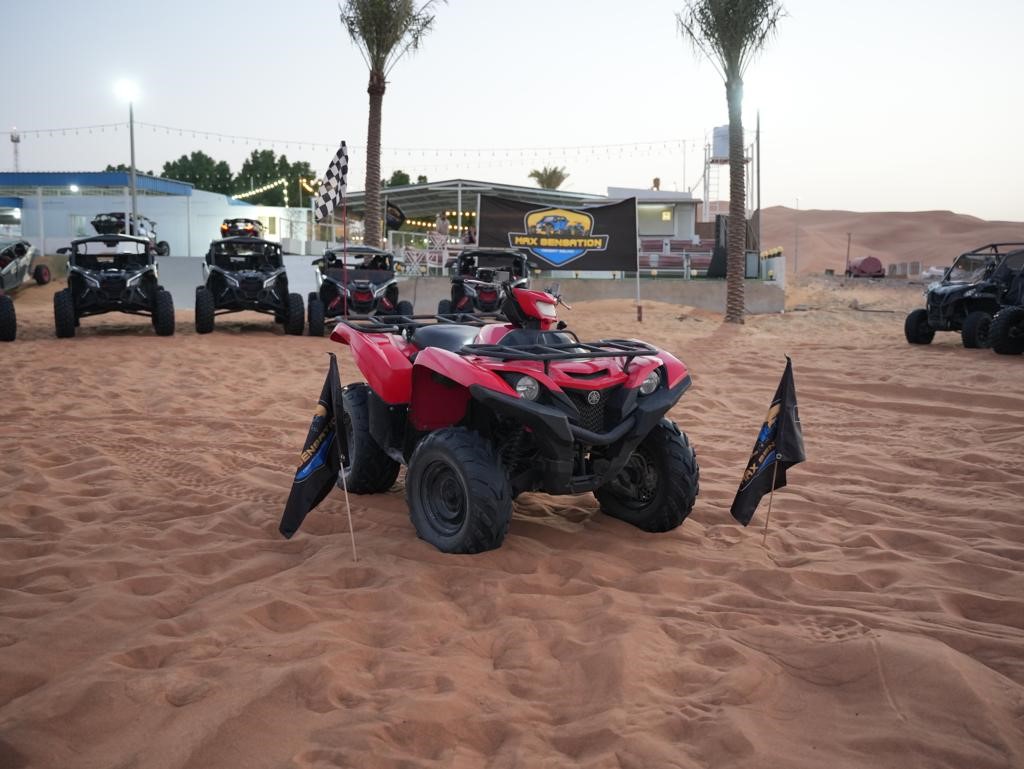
127, 91
796, 238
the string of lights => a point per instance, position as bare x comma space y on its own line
281, 182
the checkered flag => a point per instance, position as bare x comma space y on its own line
333, 188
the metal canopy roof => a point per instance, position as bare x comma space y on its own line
419, 201
83, 179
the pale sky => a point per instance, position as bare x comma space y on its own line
878, 105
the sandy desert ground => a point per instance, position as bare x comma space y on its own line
151, 616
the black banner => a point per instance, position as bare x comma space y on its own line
557, 237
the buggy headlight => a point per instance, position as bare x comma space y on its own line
650, 383
270, 281
231, 279
134, 279
528, 388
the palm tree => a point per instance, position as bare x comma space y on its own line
383, 31
729, 33
549, 178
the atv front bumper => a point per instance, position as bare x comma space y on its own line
560, 443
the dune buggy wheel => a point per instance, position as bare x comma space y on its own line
458, 492
8, 319
163, 313
367, 467
657, 488
976, 329
444, 307
294, 321
41, 274
404, 308
204, 310
1007, 331
315, 315
64, 314
163, 248
917, 329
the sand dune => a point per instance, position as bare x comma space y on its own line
933, 238
151, 615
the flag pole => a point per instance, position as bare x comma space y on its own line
348, 509
344, 257
768, 517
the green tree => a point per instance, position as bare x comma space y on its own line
398, 179
201, 171
264, 167
126, 169
383, 31
421, 179
549, 178
730, 33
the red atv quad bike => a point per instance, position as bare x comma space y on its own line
482, 410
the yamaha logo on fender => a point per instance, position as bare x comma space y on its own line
593, 397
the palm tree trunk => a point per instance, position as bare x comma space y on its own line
734, 304
371, 217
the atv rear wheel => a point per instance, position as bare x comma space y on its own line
294, 321
657, 488
975, 332
204, 310
8, 319
1007, 331
64, 314
444, 307
404, 308
163, 313
315, 315
917, 329
368, 469
458, 492
41, 274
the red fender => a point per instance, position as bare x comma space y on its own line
383, 359
441, 382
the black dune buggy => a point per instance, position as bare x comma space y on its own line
247, 274
1007, 331
16, 257
241, 228
112, 273
482, 278
113, 224
968, 295
361, 288
483, 410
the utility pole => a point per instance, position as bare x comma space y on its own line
848, 238
757, 139
15, 142
796, 238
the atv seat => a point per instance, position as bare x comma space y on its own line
523, 337
449, 337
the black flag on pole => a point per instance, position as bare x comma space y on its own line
332, 190
320, 461
779, 446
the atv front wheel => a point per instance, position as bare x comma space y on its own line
459, 496
657, 488
315, 313
204, 310
444, 307
41, 274
1007, 331
367, 467
294, 320
163, 313
8, 319
917, 329
404, 308
975, 332
64, 314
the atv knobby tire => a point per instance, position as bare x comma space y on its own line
975, 332
8, 319
204, 310
64, 319
444, 307
658, 486
41, 274
1007, 331
404, 308
367, 467
315, 315
917, 329
294, 321
163, 313
458, 492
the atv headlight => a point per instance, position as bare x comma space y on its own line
528, 388
650, 383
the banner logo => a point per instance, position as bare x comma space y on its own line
558, 235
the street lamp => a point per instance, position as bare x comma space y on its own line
127, 91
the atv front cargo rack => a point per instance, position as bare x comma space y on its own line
406, 324
546, 353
